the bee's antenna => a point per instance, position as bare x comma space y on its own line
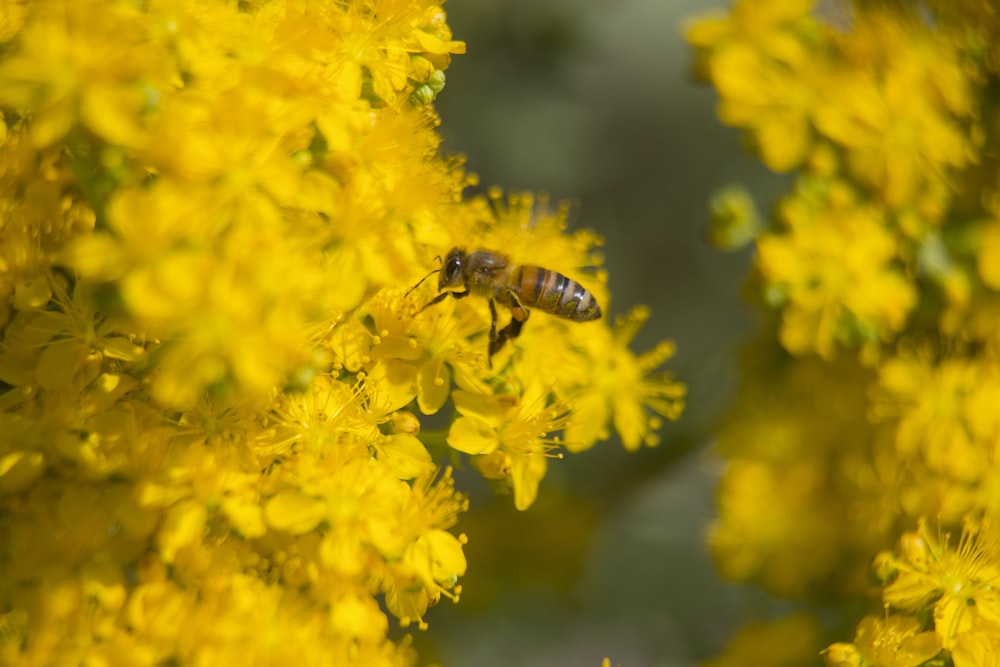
420, 282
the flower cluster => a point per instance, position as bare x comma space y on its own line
212, 374
868, 409
938, 595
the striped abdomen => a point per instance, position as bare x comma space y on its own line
553, 293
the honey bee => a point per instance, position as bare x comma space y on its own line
490, 274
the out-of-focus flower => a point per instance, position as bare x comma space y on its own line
867, 401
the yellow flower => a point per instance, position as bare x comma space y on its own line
778, 526
784, 642
943, 407
842, 654
959, 582
901, 113
65, 73
620, 388
979, 647
416, 354
834, 272
772, 98
428, 569
896, 641
758, 59
516, 427
381, 50
40, 212
802, 496
72, 340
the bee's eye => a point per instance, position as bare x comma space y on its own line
452, 269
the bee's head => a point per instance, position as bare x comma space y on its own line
451, 271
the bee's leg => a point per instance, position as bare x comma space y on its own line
493, 325
518, 316
441, 297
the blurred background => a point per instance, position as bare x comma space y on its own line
592, 100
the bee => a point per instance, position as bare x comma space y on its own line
490, 274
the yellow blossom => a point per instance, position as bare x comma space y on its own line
901, 114
958, 581
944, 408
64, 73
896, 641
834, 273
784, 642
979, 647
621, 389
757, 58
516, 427
885, 248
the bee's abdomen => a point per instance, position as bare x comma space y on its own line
552, 292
